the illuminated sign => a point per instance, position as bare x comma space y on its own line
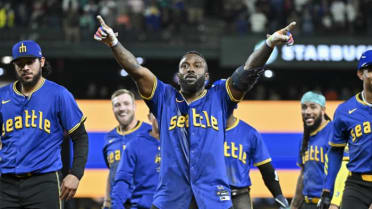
323, 52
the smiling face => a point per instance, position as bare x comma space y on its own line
192, 73
29, 70
312, 115
124, 109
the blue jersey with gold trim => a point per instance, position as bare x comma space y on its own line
192, 138
33, 127
115, 142
314, 159
352, 125
244, 147
138, 169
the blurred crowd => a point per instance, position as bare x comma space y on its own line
167, 19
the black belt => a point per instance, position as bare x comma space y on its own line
19, 175
238, 191
361, 176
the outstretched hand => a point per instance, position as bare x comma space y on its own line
282, 36
105, 34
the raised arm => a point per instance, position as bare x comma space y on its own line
143, 77
244, 77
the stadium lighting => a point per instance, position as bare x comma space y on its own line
1, 71
268, 74
123, 73
140, 60
6, 59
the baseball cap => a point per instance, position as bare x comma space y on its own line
365, 59
26, 48
311, 96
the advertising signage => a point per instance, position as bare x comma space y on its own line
313, 53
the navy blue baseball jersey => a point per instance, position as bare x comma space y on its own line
33, 127
138, 169
352, 124
115, 142
314, 159
244, 147
192, 139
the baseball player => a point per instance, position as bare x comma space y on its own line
124, 107
352, 124
192, 121
243, 147
139, 169
36, 112
318, 130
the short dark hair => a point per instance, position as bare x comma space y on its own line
199, 54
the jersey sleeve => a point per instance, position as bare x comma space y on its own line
121, 190
260, 153
340, 184
156, 99
69, 112
229, 102
339, 138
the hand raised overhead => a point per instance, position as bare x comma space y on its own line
105, 34
281, 36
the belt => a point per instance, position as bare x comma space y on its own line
311, 200
19, 175
238, 191
362, 176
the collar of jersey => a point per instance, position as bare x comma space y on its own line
234, 125
129, 131
319, 128
37, 88
197, 98
358, 99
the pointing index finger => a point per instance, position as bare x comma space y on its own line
101, 21
290, 27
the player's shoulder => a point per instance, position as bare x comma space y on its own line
113, 132
55, 87
245, 126
7, 88
142, 140
349, 105
144, 126
218, 84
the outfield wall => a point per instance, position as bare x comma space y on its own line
279, 122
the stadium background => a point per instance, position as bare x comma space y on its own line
329, 38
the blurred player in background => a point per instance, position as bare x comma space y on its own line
36, 112
352, 127
124, 108
318, 130
243, 147
192, 121
138, 169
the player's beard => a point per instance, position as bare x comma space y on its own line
190, 88
316, 124
32, 82
125, 123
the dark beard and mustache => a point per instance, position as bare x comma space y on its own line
190, 88
315, 126
32, 83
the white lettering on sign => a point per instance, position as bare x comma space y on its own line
323, 52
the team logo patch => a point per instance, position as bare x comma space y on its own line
222, 193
